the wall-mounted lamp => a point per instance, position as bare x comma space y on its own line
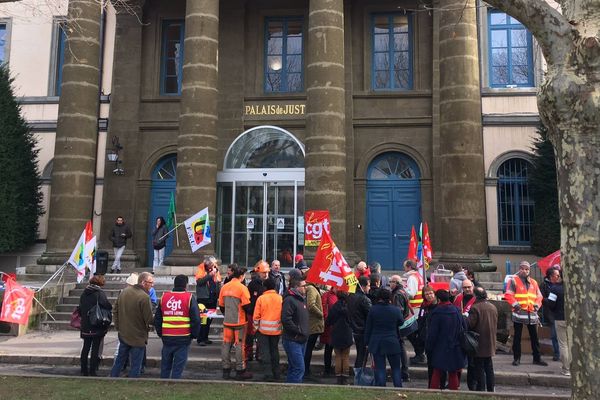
113, 156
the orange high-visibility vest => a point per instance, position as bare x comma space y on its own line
527, 298
267, 313
416, 301
175, 307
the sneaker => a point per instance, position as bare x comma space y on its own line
555, 358
565, 372
243, 375
516, 363
419, 359
540, 362
202, 344
208, 342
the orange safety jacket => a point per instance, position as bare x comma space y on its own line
175, 307
417, 300
527, 298
201, 273
267, 313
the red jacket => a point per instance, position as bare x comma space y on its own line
328, 299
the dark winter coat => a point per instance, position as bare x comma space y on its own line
339, 320
157, 234
256, 288
400, 300
381, 330
88, 299
279, 279
545, 288
207, 291
423, 318
359, 306
557, 307
483, 319
119, 235
294, 317
442, 344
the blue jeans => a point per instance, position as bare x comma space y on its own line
173, 360
395, 361
554, 338
126, 351
295, 354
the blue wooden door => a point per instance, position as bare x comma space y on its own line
163, 184
393, 207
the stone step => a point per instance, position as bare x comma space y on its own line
215, 333
489, 276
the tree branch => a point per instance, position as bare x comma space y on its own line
551, 29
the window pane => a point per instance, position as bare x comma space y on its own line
381, 61
401, 42
172, 57
382, 79
401, 79
381, 24
294, 64
173, 32
171, 85
382, 43
275, 29
499, 38
294, 82
513, 21
171, 69
274, 63
294, 44
518, 38
519, 56
294, 28
401, 60
499, 57
273, 82
2, 42
520, 74
274, 46
497, 18
500, 75
400, 23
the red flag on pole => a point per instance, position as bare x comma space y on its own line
412, 246
427, 250
330, 267
16, 305
549, 261
89, 231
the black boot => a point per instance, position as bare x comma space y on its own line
227, 373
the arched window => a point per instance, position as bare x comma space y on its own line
392, 166
515, 206
265, 147
166, 169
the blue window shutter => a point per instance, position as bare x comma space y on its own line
60, 58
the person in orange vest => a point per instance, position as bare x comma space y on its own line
525, 298
177, 322
234, 302
267, 321
208, 282
259, 274
414, 289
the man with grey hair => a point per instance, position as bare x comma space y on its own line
132, 316
375, 267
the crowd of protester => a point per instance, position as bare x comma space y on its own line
377, 319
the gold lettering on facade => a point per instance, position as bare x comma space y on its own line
274, 109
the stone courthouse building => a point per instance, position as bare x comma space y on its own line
386, 113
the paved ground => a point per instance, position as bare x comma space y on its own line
57, 353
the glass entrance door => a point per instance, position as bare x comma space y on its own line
260, 220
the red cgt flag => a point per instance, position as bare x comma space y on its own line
427, 251
413, 246
16, 305
330, 267
550, 261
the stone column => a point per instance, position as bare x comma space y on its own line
325, 160
463, 217
74, 169
119, 192
197, 140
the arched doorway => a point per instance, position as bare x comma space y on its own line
260, 198
393, 207
163, 184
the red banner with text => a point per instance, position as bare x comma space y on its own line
315, 223
16, 305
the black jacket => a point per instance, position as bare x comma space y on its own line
359, 306
194, 324
88, 299
256, 288
557, 307
279, 282
119, 235
339, 320
157, 234
400, 300
294, 318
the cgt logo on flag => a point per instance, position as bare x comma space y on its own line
330, 267
16, 305
197, 228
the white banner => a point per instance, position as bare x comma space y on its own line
197, 228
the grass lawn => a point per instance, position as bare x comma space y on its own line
16, 388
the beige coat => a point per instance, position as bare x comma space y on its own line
315, 309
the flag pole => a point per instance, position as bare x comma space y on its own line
167, 234
58, 271
176, 226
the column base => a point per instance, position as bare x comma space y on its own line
129, 259
180, 257
477, 263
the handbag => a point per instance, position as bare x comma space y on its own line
469, 342
75, 321
99, 317
409, 326
365, 376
